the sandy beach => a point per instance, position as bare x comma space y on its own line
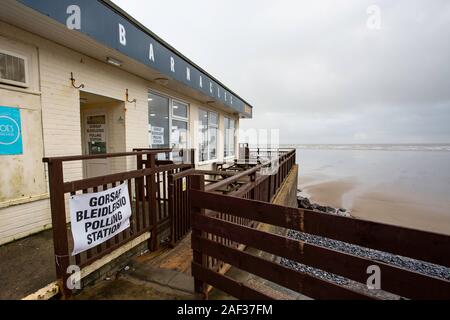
378, 204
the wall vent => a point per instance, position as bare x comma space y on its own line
13, 69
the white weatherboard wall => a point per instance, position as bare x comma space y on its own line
50, 111
61, 131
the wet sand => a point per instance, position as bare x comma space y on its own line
330, 193
379, 204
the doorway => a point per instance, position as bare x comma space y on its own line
103, 131
95, 142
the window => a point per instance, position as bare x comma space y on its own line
13, 69
179, 137
168, 122
209, 127
158, 121
230, 138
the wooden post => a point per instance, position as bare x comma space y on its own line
171, 209
193, 158
154, 245
139, 162
198, 183
58, 213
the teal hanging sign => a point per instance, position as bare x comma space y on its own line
10, 131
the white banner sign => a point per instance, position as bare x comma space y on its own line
97, 217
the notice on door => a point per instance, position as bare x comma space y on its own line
96, 134
98, 217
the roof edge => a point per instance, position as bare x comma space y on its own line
132, 20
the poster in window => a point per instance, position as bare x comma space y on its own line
157, 135
157, 139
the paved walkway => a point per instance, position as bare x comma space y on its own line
26, 266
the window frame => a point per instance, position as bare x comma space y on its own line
25, 84
230, 156
209, 126
171, 115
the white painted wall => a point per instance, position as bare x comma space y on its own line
51, 120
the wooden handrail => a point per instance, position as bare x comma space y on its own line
236, 177
102, 156
73, 186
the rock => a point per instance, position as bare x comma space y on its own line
331, 210
321, 208
344, 214
303, 203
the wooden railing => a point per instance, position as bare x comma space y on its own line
147, 188
171, 198
267, 153
207, 226
159, 197
259, 183
179, 205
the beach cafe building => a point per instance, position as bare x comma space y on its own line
81, 77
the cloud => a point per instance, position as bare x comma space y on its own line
314, 69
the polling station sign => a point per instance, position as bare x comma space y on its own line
98, 217
10, 131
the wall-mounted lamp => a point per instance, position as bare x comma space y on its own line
128, 98
81, 86
114, 62
121, 120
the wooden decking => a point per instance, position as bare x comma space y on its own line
160, 275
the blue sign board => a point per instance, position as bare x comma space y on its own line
103, 22
10, 131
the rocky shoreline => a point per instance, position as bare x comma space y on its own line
305, 203
396, 260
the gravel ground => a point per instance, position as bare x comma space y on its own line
399, 261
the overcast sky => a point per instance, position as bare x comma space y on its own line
321, 71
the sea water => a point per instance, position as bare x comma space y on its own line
420, 171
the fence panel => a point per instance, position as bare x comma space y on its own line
411, 243
143, 192
179, 205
